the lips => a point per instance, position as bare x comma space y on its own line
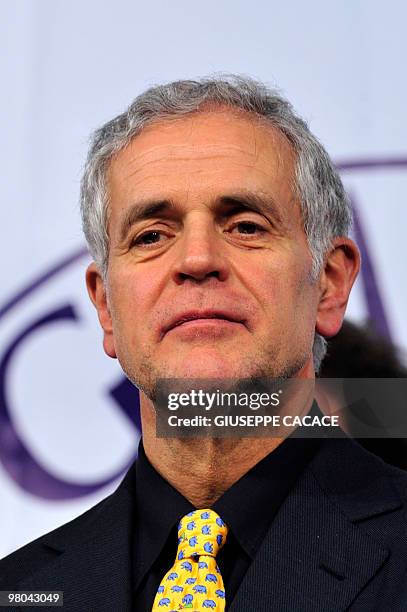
185, 317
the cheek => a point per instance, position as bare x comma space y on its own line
304, 304
127, 299
285, 291
134, 306
142, 289
132, 293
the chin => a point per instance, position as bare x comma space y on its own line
197, 372
212, 373
209, 365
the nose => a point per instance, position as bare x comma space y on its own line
201, 252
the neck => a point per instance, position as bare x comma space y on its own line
202, 469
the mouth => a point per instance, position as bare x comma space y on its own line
202, 318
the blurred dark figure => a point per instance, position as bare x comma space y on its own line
359, 352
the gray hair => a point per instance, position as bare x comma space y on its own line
325, 209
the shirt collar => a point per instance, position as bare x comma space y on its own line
247, 508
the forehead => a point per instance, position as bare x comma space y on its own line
200, 154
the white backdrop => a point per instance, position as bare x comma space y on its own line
67, 67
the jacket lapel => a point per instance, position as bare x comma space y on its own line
98, 550
315, 556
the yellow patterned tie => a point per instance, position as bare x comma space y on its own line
194, 582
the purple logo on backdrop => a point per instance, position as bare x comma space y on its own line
373, 299
16, 457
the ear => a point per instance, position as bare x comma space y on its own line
339, 273
97, 294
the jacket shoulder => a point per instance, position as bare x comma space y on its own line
30, 557
362, 483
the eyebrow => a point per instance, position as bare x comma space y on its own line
263, 204
148, 209
141, 211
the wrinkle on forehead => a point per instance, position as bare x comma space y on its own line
171, 154
155, 144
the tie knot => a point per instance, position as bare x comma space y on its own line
200, 532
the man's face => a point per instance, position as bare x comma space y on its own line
209, 267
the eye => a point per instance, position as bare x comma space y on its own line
148, 238
247, 228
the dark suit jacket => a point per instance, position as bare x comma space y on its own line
340, 538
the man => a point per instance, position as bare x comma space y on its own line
218, 229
